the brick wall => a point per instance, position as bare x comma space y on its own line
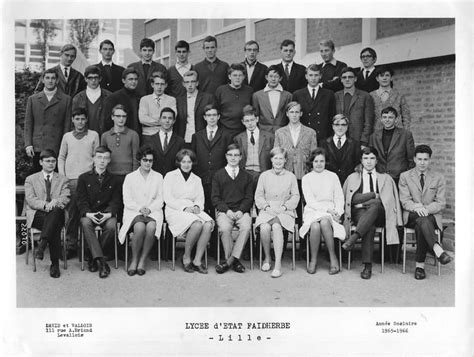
270, 33
197, 53
231, 45
138, 33
341, 31
392, 27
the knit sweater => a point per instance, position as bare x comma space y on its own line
210, 80
75, 156
231, 101
236, 195
124, 147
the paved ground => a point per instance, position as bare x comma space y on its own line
167, 288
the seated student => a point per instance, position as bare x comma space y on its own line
366, 78
232, 196
371, 201
422, 198
46, 195
184, 198
75, 158
143, 210
98, 200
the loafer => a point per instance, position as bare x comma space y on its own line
222, 268
349, 244
238, 267
131, 272
366, 273
188, 268
102, 268
200, 268
141, 272
276, 273
39, 253
107, 268
54, 271
92, 265
266, 267
444, 258
420, 274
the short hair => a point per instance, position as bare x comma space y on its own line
191, 73
287, 42
168, 110
79, 111
389, 110
348, 69
147, 42
236, 67
369, 150
327, 43
291, 105
248, 110
92, 70
314, 67
382, 69
185, 152
48, 153
312, 156
143, 151
106, 42
423, 149
340, 117
210, 107
274, 68
158, 74
370, 50
233, 146
102, 150
209, 39
181, 44
68, 47
119, 107
278, 150
50, 71
128, 71
251, 42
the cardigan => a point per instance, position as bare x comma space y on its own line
234, 194
210, 80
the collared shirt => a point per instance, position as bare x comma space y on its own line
233, 172
143, 62
290, 65
68, 70
366, 180
295, 133
310, 89
211, 65
46, 174
343, 139
106, 63
182, 68
274, 95
214, 131
190, 123
50, 93
250, 68
93, 94
351, 91
333, 62
162, 137
363, 70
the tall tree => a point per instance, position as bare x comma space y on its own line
45, 33
83, 32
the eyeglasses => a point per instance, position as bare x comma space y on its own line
95, 78
339, 124
188, 82
347, 77
147, 160
49, 161
366, 56
232, 155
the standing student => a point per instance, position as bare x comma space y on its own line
111, 78
254, 70
175, 73
367, 76
293, 73
331, 69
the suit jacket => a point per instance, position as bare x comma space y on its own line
165, 160
257, 81
361, 114
175, 86
299, 154
267, 121
399, 156
432, 197
130, 100
35, 193
367, 85
342, 161
266, 142
96, 123
73, 85
144, 86
317, 113
328, 72
114, 83
210, 156
297, 78
202, 99
47, 122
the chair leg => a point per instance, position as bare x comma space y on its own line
438, 233
205, 257
218, 247
349, 260
260, 253
159, 254
340, 255
382, 240
307, 252
126, 253
115, 245
33, 249
27, 253
63, 236
404, 249
251, 237
173, 252
293, 240
81, 235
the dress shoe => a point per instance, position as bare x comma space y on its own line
188, 268
349, 244
93, 266
107, 268
54, 271
238, 267
367, 272
39, 253
141, 272
200, 268
420, 274
131, 272
222, 268
444, 258
102, 268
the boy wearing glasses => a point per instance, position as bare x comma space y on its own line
367, 76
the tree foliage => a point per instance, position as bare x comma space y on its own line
45, 33
83, 32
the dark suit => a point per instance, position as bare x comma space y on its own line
144, 86
164, 161
202, 99
74, 84
342, 161
297, 79
113, 81
257, 81
399, 156
265, 145
328, 72
95, 123
175, 86
360, 114
130, 100
317, 113
267, 121
367, 85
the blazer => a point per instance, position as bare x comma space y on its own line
114, 83
299, 154
267, 121
144, 86
257, 81
202, 99
266, 141
210, 156
399, 156
317, 113
361, 114
297, 78
73, 85
47, 122
175, 86
389, 197
342, 161
328, 72
367, 85
164, 161
80, 101
432, 197
35, 193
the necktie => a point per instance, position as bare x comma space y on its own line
422, 181
211, 135
234, 174
366, 75
165, 143
146, 67
157, 101
347, 103
339, 144
252, 139
65, 72
287, 70
48, 188
108, 72
314, 94
371, 183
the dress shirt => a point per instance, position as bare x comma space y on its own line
363, 69
214, 130
93, 94
290, 65
295, 133
68, 70
250, 68
231, 171
366, 180
45, 174
50, 93
106, 63
182, 68
333, 62
274, 95
190, 119
343, 139
351, 91
310, 89
162, 138
256, 133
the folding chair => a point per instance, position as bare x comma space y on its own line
32, 232
98, 232
406, 232
378, 230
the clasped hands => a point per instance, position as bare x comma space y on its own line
98, 217
275, 210
52, 204
234, 215
193, 209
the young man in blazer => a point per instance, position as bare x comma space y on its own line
318, 104
293, 73
146, 67
270, 102
367, 76
255, 71
190, 107
111, 78
331, 69
422, 195
46, 195
175, 73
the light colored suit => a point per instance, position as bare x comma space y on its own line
268, 121
35, 193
